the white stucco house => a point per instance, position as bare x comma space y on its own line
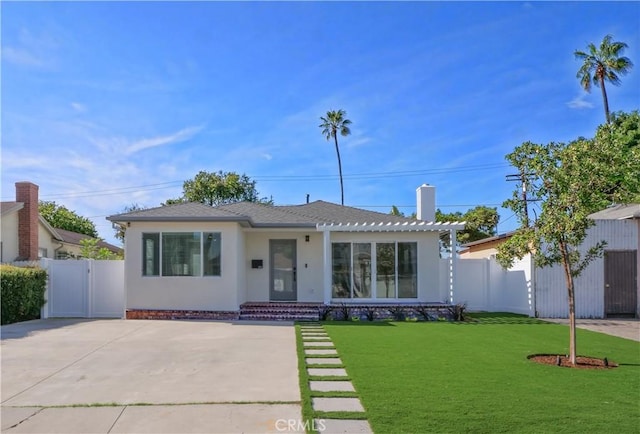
193, 260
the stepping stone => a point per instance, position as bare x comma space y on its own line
314, 334
317, 344
343, 426
323, 361
315, 339
331, 386
327, 372
319, 352
336, 404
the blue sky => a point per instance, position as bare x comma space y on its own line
109, 104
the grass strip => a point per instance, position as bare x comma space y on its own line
308, 413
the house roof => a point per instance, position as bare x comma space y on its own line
10, 207
70, 237
618, 212
258, 215
498, 237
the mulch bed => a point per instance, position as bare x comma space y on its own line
582, 362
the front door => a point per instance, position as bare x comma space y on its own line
282, 255
620, 274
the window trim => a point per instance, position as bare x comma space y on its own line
161, 254
374, 271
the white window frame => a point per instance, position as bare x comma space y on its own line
374, 271
161, 253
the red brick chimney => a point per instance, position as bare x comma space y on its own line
27, 193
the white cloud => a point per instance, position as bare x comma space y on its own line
266, 156
579, 102
180, 136
80, 108
20, 57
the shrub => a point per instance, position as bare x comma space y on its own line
22, 293
343, 312
426, 313
397, 312
458, 311
324, 312
369, 312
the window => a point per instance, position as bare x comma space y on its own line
341, 266
362, 270
151, 254
407, 270
181, 254
375, 270
386, 270
42, 252
212, 249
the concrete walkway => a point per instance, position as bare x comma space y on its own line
324, 365
622, 328
114, 376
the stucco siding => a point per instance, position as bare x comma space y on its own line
9, 234
184, 293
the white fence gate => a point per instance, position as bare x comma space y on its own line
84, 289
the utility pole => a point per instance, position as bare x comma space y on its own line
523, 179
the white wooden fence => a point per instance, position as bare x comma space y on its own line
482, 284
84, 288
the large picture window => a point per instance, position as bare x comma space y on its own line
375, 270
181, 254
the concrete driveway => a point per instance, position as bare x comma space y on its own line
198, 376
620, 327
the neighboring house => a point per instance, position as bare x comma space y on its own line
26, 236
484, 248
193, 257
608, 287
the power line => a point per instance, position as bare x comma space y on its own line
279, 178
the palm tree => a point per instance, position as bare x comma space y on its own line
335, 121
603, 64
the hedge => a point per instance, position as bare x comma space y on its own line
22, 293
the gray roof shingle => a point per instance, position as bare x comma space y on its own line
261, 215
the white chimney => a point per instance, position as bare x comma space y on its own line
426, 203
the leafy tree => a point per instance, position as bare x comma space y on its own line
218, 189
89, 249
481, 223
60, 217
395, 211
570, 182
602, 64
333, 123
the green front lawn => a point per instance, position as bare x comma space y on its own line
475, 377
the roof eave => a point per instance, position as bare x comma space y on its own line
120, 219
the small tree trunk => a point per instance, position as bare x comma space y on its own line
335, 137
566, 264
604, 98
